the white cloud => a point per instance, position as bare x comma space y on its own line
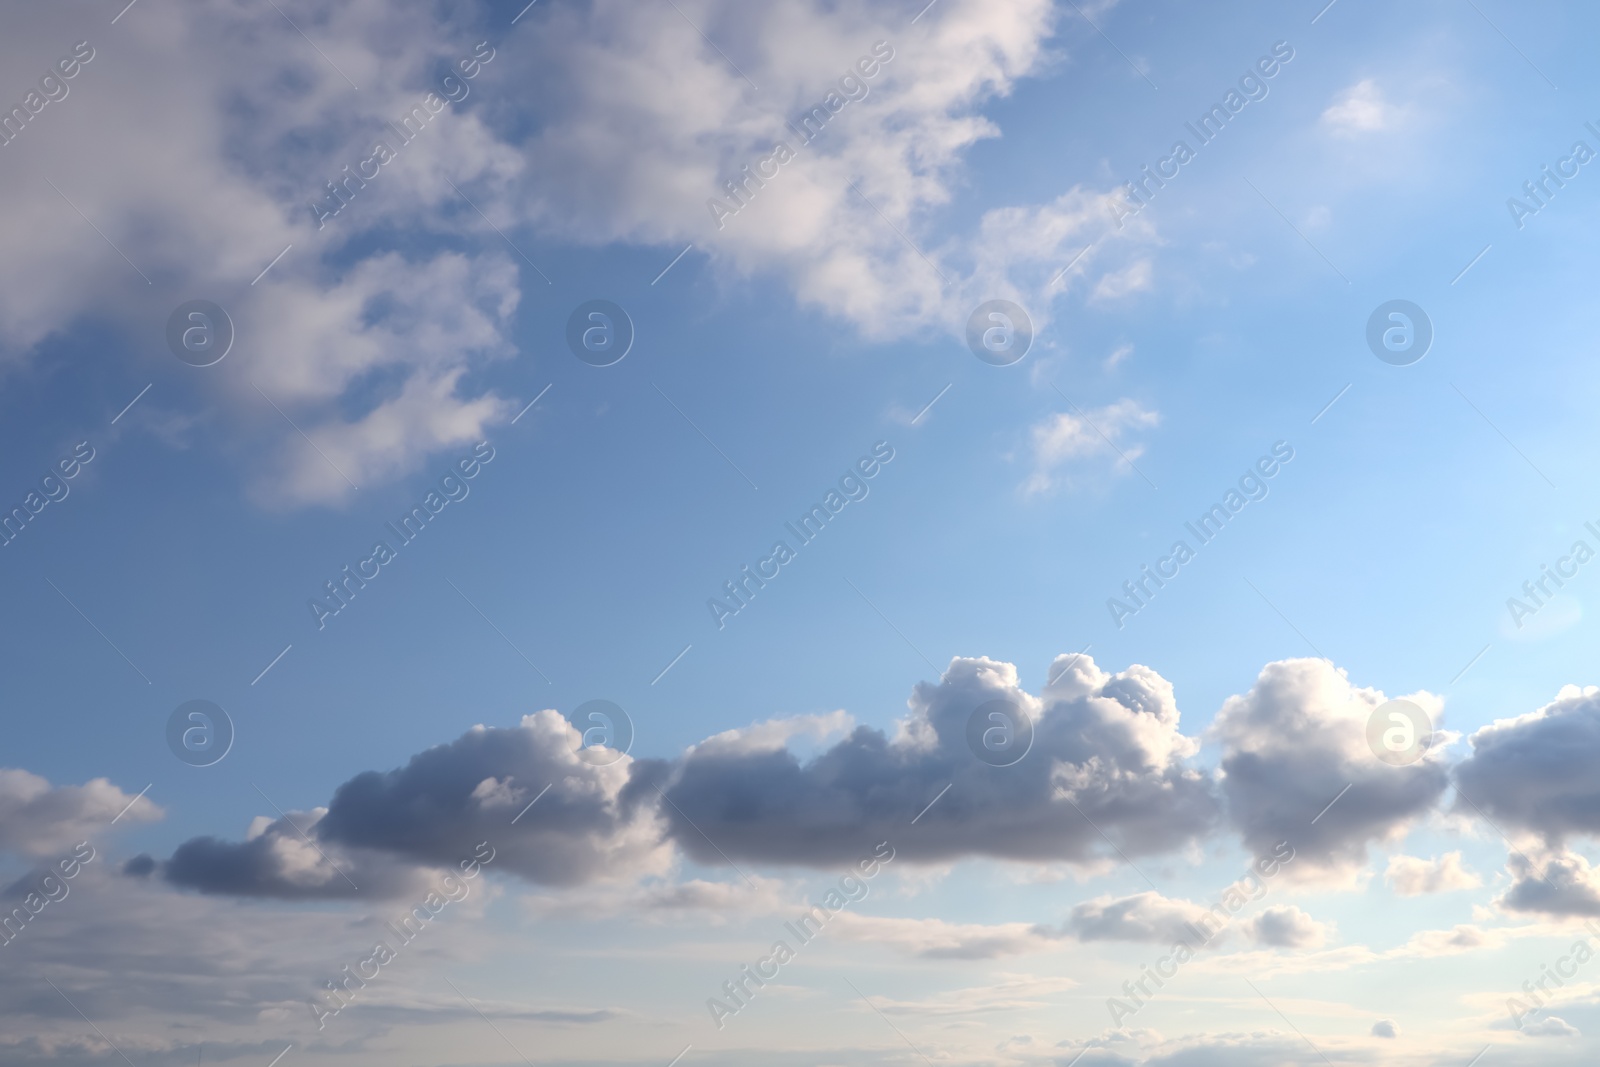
1411, 876
1066, 439
1121, 353
594, 124
776, 734
39, 820
1361, 108
366, 350
1134, 278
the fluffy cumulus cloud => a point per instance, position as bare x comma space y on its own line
1552, 883
38, 819
1288, 928
1535, 772
1295, 742
423, 323
1109, 774
349, 340
585, 124
1532, 776
602, 840
1107, 757
658, 123
384, 831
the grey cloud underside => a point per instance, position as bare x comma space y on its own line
1536, 773
1285, 928
1274, 799
1110, 743
1088, 746
255, 868
1146, 917
1533, 777
1109, 772
1563, 884
384, 831
1295, 744
426, 811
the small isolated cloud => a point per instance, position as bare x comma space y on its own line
1561, 884
1412, 876
1551, 1026
1361, 108
1133, 278
1461, 938
1384, 1028
1121, 353
1142, 917
1067, 439
1288, 928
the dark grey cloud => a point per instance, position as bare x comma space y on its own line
1293, 744
1107, 753
383, 831
1536, 772
1557, 883
283, 860
1109, 774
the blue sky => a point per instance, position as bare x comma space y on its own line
1224, 319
